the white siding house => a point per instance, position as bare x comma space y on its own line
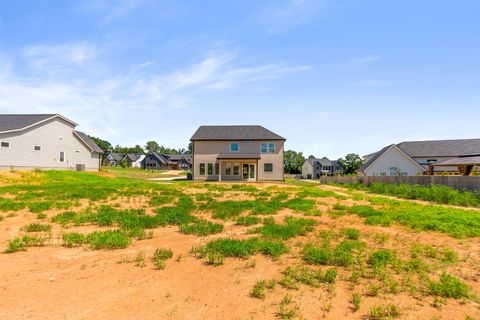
392, 161
46, 141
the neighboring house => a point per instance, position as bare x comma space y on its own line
315, 168
45, 141
133, 160
239, 153
113, 159
162, 161
413, 157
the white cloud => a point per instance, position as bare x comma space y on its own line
281, 16
125, 106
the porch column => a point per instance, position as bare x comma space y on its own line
220, 170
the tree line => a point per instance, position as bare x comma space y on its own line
150, 146
294, 160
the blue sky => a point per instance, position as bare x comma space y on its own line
332, 76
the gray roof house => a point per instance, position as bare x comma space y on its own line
46, 141
237, 153
162, 161
315, 168
412, 158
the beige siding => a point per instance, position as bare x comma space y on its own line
307, 169
208, 151
53, 136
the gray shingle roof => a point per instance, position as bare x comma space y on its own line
116, 156
10, 122
440, 148
89, 141
234, 133
324, 161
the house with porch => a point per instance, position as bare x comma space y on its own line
237, 153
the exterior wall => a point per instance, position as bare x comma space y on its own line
53, 136
307, 170
393, 158
208, 151
138, 163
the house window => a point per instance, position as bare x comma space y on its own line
236, 169
228, 169
202, 169
234, 147
37, 148
268, 167
210, 169
62, 156
271, 147
393, 171
431, 160
217, 169
4, 144
267, 147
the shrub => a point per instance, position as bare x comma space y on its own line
381, 258
353, 234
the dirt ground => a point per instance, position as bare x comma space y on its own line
54, 282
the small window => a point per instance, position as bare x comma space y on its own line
268, 167
431, 160
5, 144
236, 169
210, 169
217, 169
62, 156
234, 147
202, 169
228, 169
37, 148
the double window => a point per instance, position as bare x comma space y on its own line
267, 147
209, 169
232, 169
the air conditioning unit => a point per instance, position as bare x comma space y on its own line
80, 167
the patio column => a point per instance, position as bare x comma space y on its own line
220, 170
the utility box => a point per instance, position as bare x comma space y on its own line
80, 167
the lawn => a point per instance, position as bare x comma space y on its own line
181, 249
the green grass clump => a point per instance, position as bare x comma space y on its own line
292, 227
248, 220
352, 234
161, 199
258, 290
300, 204
342, 255
242, 248
201, 228
21, 244
160, 256
381, 258
314, 192
387, 311
356, 301
288, 308
73, 239
109, 239
292, 276
373, 217
37, 227
448, 287
39, 206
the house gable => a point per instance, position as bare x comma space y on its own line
390, 158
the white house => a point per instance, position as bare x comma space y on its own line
46, 141
412, 158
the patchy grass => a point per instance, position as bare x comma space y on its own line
293, 276
160, 256
292, 227
110, 239
448, 287
242, 248
22, 243
201, 228
260, 287
387, 311
248, 220
37, 227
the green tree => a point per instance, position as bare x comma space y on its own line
293, 161
152, 146
190, 147
311, 157
103, 144
351, 163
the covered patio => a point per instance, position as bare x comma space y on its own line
465, 165
238, 166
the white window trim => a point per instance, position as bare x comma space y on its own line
64, 157
9, 144
232, 143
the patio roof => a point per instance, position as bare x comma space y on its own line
238, 156
464, 164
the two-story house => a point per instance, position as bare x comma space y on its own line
237, 153
315, 168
